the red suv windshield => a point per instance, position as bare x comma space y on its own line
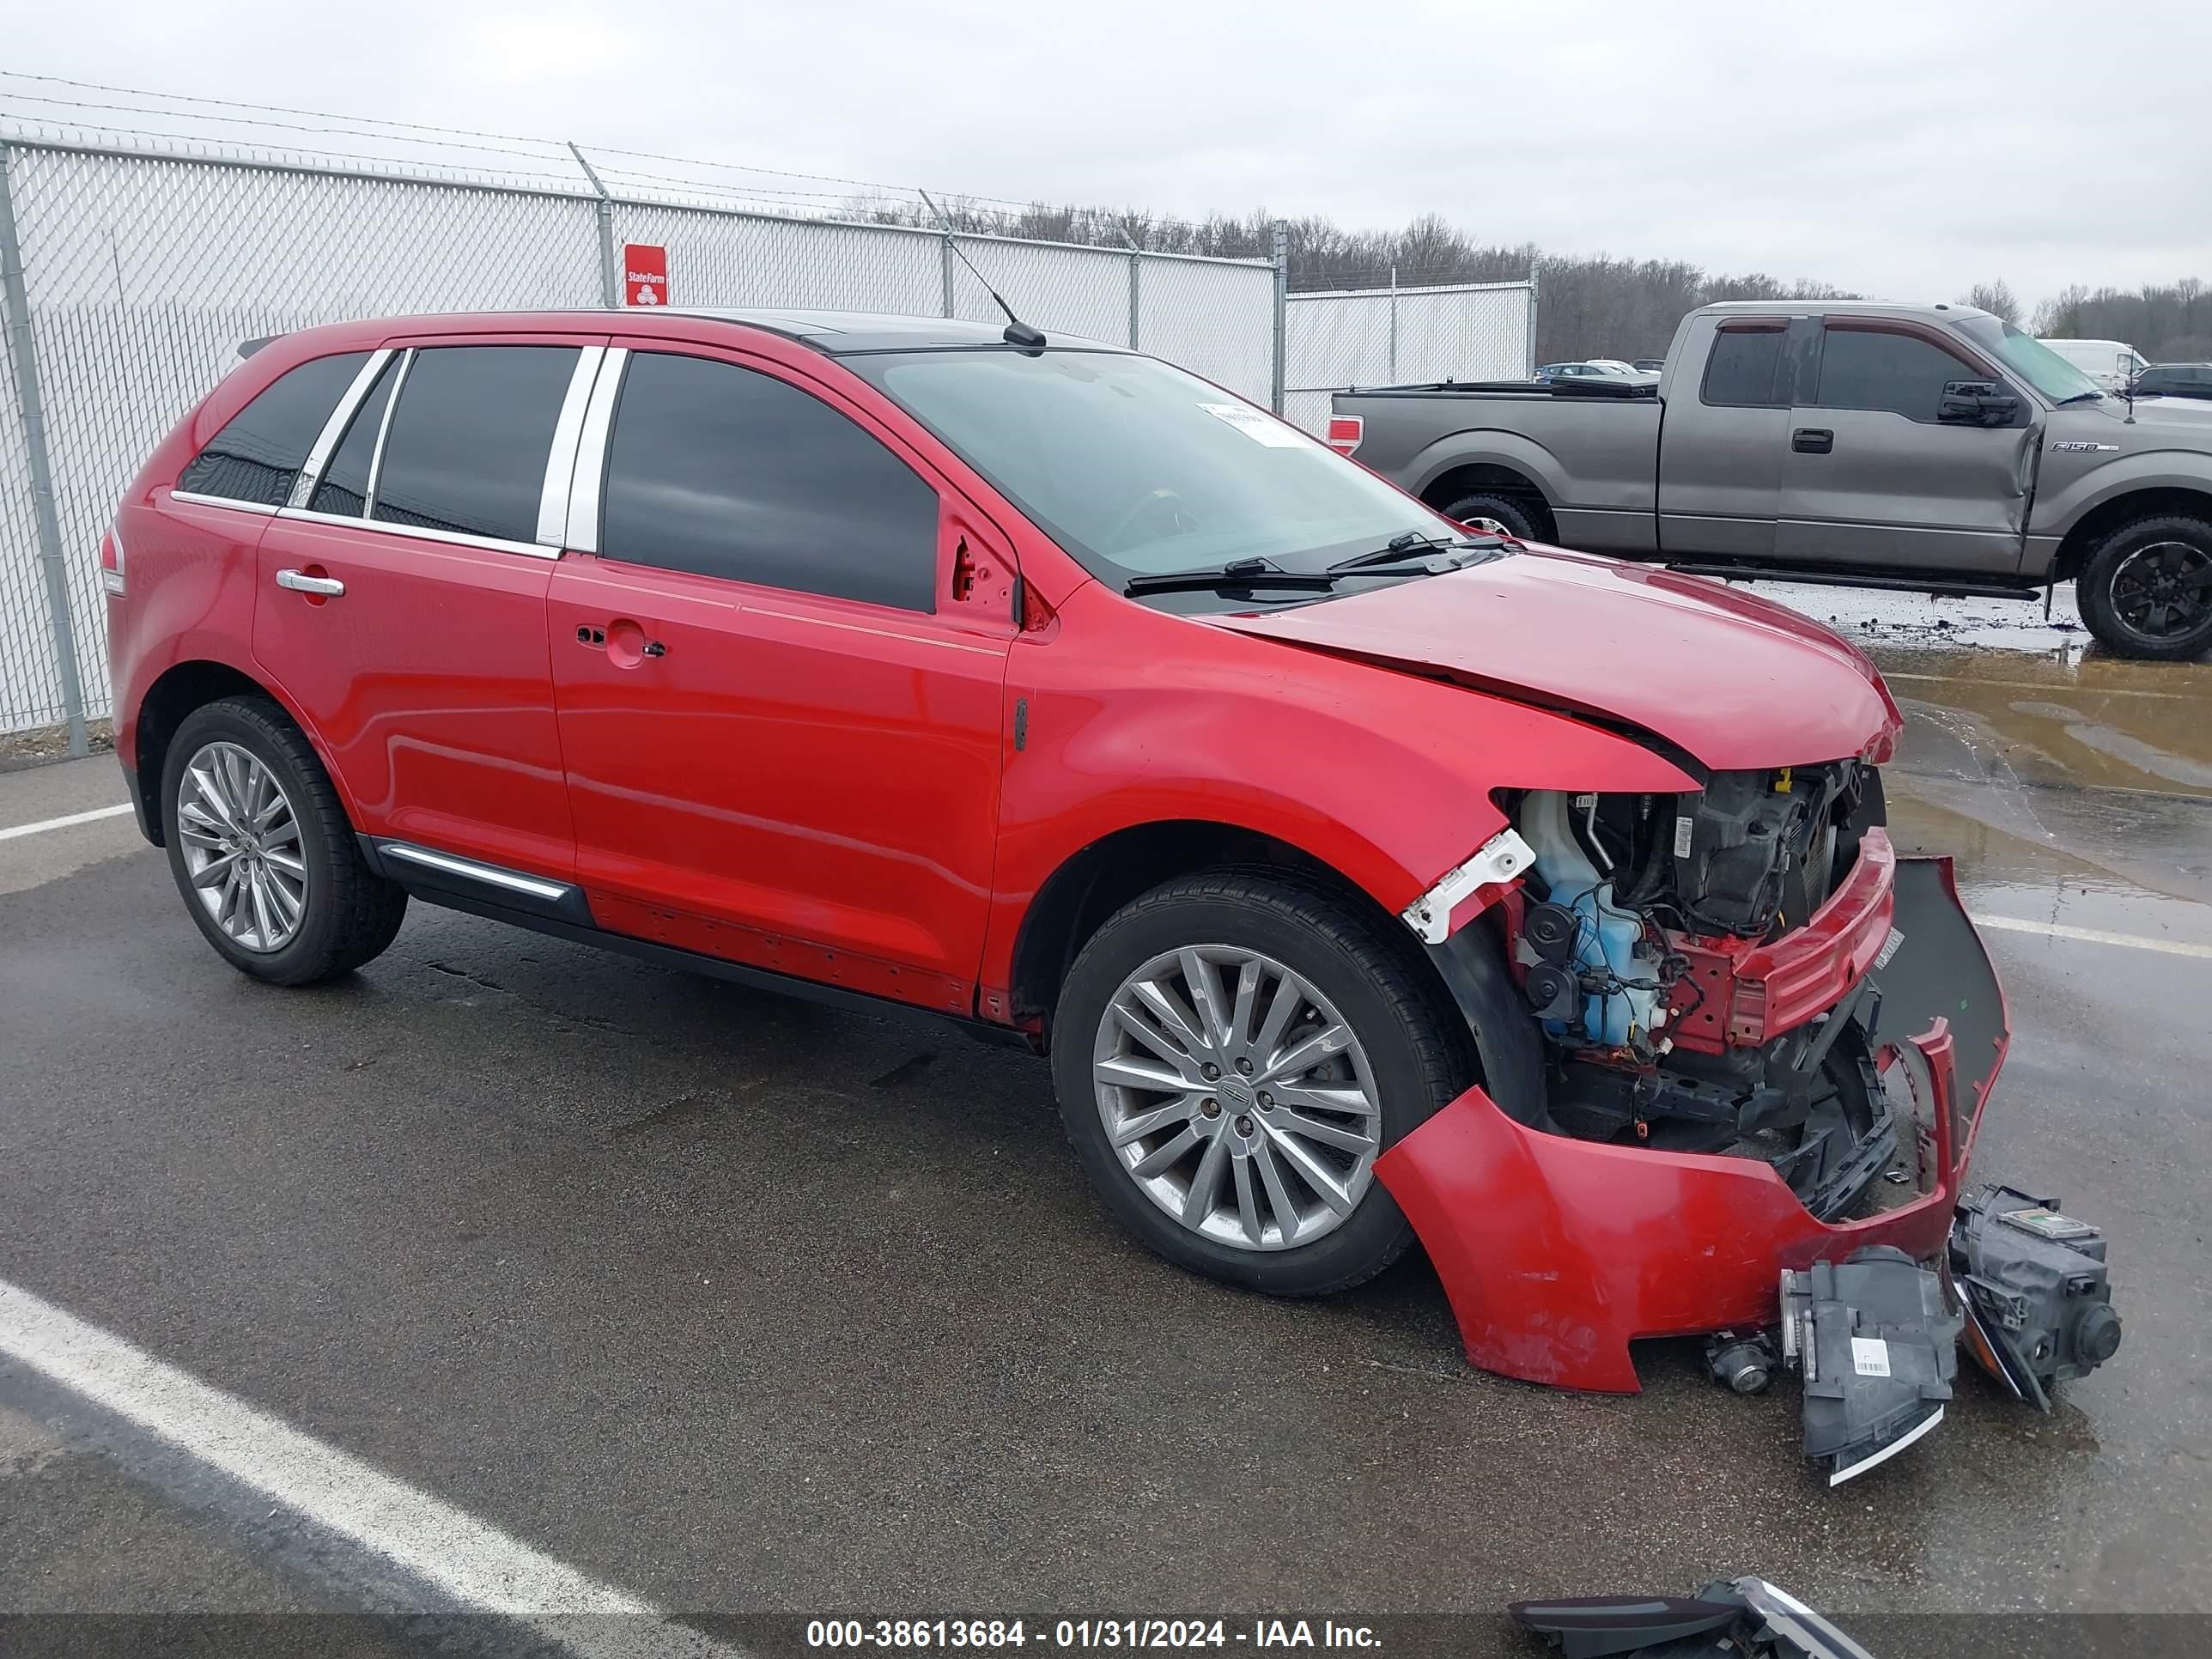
1137, 468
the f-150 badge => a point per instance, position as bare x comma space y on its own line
2081, 446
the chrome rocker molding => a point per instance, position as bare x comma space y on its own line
560, 910
440, 877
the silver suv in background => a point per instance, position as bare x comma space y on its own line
1934, 448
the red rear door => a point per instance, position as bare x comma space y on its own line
780, 681
402, 606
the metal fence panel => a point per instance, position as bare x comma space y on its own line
1214, 318
142, 271
145, 274
1383, 336
733, 259
1075, 291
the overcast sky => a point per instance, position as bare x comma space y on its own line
1901, 148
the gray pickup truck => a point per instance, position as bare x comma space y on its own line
1935, 448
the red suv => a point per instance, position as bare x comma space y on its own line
1360, 874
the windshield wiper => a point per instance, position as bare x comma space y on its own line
1414, 545
1239, 573
2078, 396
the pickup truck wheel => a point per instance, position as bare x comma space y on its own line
263, 852
2146, 590
1501, 511
1232, 1052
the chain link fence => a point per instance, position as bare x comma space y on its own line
131, 276
1401, 336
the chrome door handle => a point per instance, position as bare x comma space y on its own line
329, 586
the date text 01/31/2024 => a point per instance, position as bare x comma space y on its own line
1085, 1633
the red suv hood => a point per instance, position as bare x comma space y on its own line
1738, 682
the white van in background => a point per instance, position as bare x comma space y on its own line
2110, 363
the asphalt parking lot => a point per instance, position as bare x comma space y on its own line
735, 1305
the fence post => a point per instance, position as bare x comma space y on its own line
610, 287
1282, 237
1136, 293
1394, 325
1535, 266
945, 257
30, 409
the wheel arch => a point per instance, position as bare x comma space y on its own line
1091, 884
1493, 478
2088, 531
175, 694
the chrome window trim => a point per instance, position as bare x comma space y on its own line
454, 865
198, 500
589, 475
554, 497
319, 453
383, 431
386, 527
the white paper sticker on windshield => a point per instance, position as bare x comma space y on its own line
1260, 429
1869, 1356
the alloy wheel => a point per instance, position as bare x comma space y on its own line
240, 840
2163, 590
1236, 1097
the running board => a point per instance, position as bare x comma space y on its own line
1897, 582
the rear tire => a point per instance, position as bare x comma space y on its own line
1504, 511
1262, 1218
263, 852
2146, 590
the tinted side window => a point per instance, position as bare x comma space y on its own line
722, 472
1741, 368
1862, 369
467, 447
344, 484
258, 453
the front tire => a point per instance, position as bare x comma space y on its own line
1232, 1053
2146, 590
262, 850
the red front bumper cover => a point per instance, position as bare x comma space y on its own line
1556, 1253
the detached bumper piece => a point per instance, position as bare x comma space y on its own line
1878, 1344
1735, 1618
2038, 1303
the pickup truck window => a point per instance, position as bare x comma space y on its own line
1868, 368
1740, 371
2029, 358
1137, 468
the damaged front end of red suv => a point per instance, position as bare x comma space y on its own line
1760, 1039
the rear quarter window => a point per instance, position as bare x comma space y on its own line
257, 455
1741, 371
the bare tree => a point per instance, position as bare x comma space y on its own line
1997, 299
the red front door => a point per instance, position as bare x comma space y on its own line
780, 691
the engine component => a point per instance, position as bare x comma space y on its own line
1735, 1618
1745, 1360
2039, 1301
1610, 946
1756, 847
1878, 1344
1550, 928
1555, 993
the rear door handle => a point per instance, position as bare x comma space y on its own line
299, 581
1813, 440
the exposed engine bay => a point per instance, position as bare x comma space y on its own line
1627, 941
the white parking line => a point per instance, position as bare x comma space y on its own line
479, 1566
45, 824
2173, 947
